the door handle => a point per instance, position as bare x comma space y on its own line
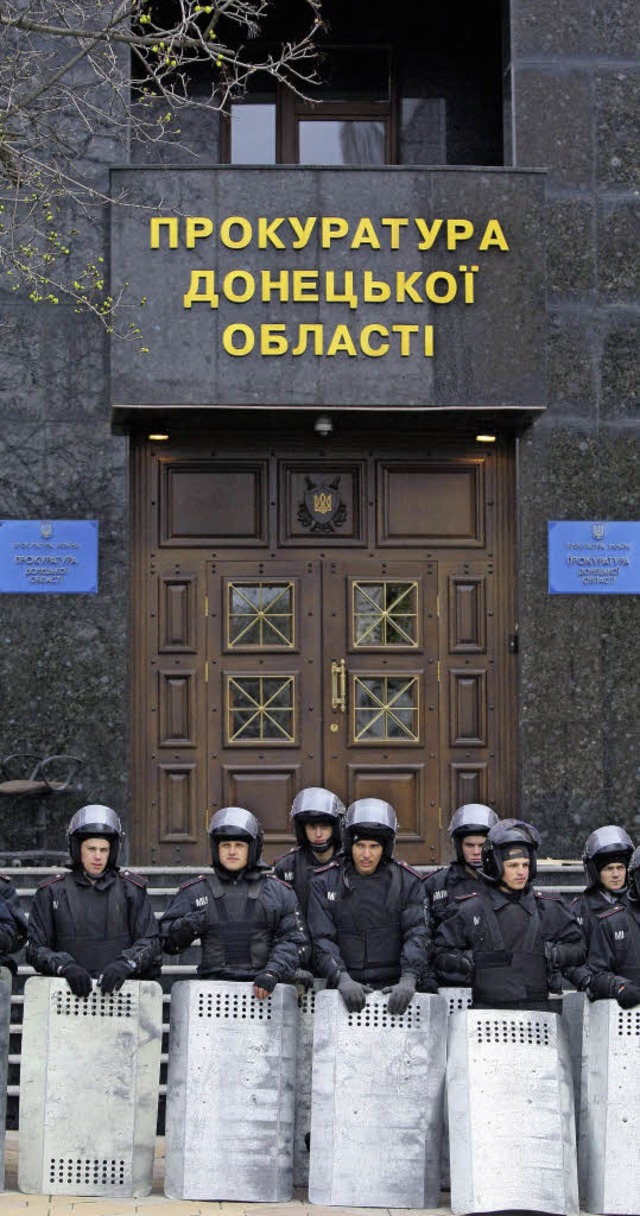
339, 686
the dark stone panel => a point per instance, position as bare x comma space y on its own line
570, 224
621, 369
74, 366
548, 28
572, 364
616, 119
616, 28
580, 738
21, 346
554, 123
618, 262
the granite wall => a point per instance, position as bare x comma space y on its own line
575, 72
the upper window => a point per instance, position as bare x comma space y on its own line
348, 119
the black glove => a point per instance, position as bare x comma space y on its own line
400, 994
266, 980
304, 979
187, 928
77, 978
628, 995
567, 954
353, 994
114, 975
454, 964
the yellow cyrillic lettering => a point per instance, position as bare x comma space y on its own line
347, 295
272, 340
374, 291
201, 289
195, 228
248, 335
365, 234
405, 332
428, 341
267, 233
427, 232
395, 223
334, 227
155, 223
279, 283
430, 286
228, 286
304, 331
304, 285
302, 231
226, 236
493, 235
405, 287
468, 272
340, 341
458, 230
365, 345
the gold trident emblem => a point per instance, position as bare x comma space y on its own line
322, 503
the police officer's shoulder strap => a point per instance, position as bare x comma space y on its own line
191, 882
138, 880
49, 881
459, 899
331, 865
405, 866
610, 912
289, 853
276, 878
557, 899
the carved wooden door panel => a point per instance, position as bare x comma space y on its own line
381, 720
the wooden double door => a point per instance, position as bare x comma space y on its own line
320, 616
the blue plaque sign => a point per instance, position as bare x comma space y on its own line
55, 556
588, 557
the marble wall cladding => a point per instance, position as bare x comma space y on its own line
64, 658
580, 739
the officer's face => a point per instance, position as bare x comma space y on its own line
614, 876
233, 854
515, 873
472, 849
366, 856
317, 833
94, 855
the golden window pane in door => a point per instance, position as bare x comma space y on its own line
386, 709
260, 615
260, 709
385, 613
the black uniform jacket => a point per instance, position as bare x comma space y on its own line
297, 868
614, 951
443, 885
374, 927
13, 923
504, 937
586, 908
93, 923
246, 924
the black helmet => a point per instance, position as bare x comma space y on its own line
90, 821
371, 819
633, 877
508, 832
603, 846
317, 805
472, 819
234, 823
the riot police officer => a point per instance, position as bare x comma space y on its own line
248, 921
97, 920
605, 857
316, 815
614, 951
367, 914
13, 925
468, 830
509, 941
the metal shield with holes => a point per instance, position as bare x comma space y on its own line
89, 1089
610, 1109
302, 1123
230, 1092
511, 1113
457, 999
377, 1102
